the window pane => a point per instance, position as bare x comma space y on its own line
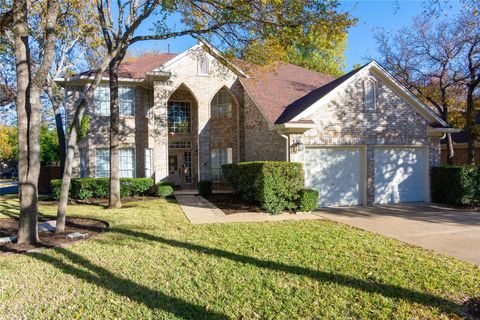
101, 100
370, 95
203, 65
218, 158
222, 105
126, 98
83, 163
179, 116
102, 163
127, 163
148, 163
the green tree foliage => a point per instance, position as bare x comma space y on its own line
49, 154
313, 46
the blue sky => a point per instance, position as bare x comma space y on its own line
389, 15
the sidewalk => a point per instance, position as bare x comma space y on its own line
200, 211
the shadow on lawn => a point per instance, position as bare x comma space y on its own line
386, 290
104, 278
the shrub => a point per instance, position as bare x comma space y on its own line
456, 185
165, 189
275, 185
204, 188
55, 186
308, 200
86, 188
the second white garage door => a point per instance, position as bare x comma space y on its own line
335, 173
399, 174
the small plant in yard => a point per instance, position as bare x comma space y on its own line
165, 189
308, 200
204, 188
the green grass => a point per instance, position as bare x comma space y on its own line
154, 264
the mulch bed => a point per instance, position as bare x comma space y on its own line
89, 227
231, 204
97, 201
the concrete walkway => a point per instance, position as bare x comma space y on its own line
446, 230
200, 211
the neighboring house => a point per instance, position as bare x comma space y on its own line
363, 138
460, 147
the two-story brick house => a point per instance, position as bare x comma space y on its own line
363, 138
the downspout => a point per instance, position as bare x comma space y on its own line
287, 142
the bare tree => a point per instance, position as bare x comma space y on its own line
425, 58
469, 35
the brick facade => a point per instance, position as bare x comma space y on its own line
345, 121
342, 121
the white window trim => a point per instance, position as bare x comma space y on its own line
218, 170
365, 88
148, 168
120, 88
134, 163
96, 163
199, 66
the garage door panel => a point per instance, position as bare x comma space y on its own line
335, 173
399, 175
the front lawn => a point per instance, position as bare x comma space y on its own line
154, 264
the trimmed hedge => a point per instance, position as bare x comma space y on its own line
308, 200
275, 185
165, 189
86, 188
456, 185
204, 188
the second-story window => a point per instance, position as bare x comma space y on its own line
202, 65
222, 105
102, 100
179, 117
370, 95
126, 100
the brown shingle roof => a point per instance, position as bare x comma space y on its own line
276, 87
137, 67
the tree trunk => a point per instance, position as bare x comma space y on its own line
114, 199
72, 142
60, 134
471, 118
450, 150
28, 154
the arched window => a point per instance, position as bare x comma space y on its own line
202, 67
222, 105
370, 95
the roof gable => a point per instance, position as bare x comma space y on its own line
299, 110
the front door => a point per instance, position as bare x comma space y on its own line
180, 168
174, 174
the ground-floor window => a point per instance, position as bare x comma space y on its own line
102, 163
148, 163
83, 163
127, 163
219, 156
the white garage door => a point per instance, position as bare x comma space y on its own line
399, 175
335, 173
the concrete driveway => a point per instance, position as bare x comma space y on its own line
450, 231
